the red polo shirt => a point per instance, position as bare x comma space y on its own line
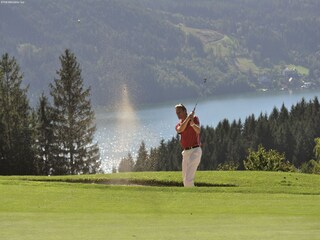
189, 137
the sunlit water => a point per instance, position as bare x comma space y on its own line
120, 132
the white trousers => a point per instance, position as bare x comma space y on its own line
190, 162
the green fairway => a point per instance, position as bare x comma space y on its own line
240, 205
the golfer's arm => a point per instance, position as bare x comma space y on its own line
183, 125
196, 128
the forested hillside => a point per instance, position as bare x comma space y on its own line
162, 50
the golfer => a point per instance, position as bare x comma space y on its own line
189, 130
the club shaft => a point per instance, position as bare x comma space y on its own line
202, 86
195, 106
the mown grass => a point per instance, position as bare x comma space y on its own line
246, 65
240, 205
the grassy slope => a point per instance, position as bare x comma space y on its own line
245, 65
223, 45
260, 206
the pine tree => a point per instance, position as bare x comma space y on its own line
141, 158
248, 132
235, 152
44, 136
174, 154
73, 121
152, 159
162, 153
126, 164
16, 149
263, 132
208, 147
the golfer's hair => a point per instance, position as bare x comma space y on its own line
180, 105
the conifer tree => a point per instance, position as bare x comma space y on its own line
152, 159
174, 150
73, 121
44, 136
142, 158
208, 158
16, 151
126, 164
162, 153
248, 131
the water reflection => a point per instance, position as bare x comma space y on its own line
122, 131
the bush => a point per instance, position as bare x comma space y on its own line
263, 160
311, 166
228, 166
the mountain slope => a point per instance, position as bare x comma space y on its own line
162, 50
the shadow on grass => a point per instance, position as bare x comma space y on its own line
157, 183
138, 182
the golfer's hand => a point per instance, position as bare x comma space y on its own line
191, 116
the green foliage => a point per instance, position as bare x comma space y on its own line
44, 137
311, 166
50, 140
166, 157
290, 132
262, 160
73, 127
141, 163
316, 149
227, 166
16, 148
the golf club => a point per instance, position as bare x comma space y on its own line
201, 91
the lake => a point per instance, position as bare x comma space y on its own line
120, 132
